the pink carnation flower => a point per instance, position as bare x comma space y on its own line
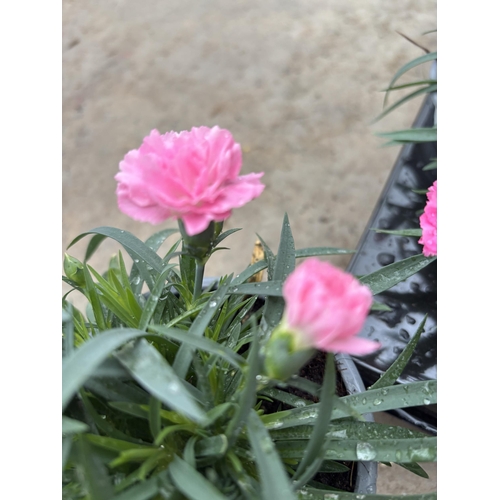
325, 309
428, 223
191, 175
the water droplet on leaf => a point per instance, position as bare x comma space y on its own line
365, 451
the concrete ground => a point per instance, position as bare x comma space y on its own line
296, 82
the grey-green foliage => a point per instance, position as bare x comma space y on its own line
163, 395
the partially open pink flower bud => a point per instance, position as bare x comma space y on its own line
428, 223
325, 308
190, 175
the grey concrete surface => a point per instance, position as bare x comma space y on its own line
296, 82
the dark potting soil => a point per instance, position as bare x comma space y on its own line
314, 371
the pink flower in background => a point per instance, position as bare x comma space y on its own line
428, 223
191, 175
325, 309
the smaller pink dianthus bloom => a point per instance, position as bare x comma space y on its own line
325, 309
190, 175
428, 223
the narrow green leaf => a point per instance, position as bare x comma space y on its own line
143, 411
146, 490
212, 446
134, 246
137, 455
156, 240
182, 316
185, 353
202, 343
385, 399
153, 372
154, 416
391, 275
71, 426
312, 469
83, 362
154, 296
224, 235
247, 484
115, 390
410, 84
93, 297
102, 424
319, 251
432, 165
264, 288
318, 435
285, 397
67, 444
123, 271
249, 272
415, 469
94, 472
400, 232
274, 479
425, 90
116, 445
94, 243
284, 265
432, 56
348, 429
68, 328
332, 466
270, 258
392, 374
307, 493
111, 369
191, 483
285, 258
388, 450
248, 394
378, 306
218, 412
187, 265
302, 384
426, 134
141, 253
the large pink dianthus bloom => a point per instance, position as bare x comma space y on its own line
191, 175
325, 309
428, 223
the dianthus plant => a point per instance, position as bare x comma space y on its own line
177, 387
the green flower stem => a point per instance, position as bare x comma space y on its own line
198, 280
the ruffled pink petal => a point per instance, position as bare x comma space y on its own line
151, 213
195, 223
428, 223
237, 193
357, 346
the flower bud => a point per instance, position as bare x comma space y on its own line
281, 357
325, 309
73, 269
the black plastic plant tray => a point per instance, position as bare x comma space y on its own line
399, 208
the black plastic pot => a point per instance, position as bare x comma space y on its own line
398, 208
